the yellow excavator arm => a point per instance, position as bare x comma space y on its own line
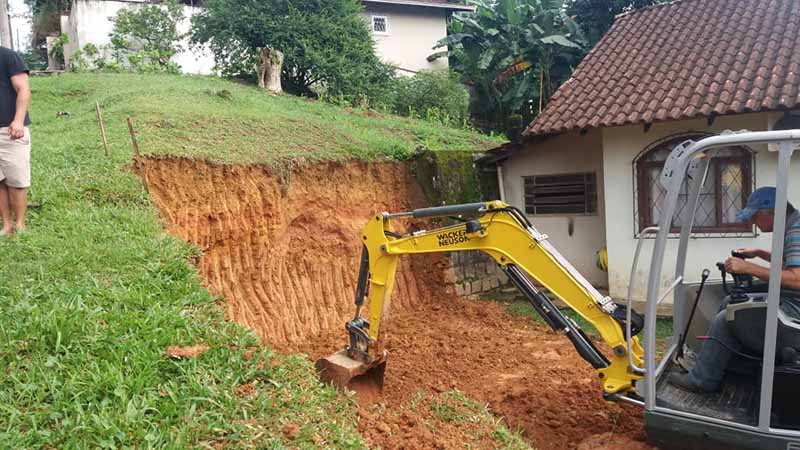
505, 234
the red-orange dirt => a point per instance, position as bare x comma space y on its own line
282, 248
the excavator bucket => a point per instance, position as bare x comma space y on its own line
338, 369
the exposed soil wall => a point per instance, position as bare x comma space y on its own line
281, 246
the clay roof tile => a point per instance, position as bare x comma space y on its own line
683, 59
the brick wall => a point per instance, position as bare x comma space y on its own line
472, 273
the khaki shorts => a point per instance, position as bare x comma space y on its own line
15, 159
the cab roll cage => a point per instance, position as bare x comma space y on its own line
688, 161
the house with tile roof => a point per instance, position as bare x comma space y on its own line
403, 31
585, 170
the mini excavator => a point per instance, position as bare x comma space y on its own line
759, 405
506, 235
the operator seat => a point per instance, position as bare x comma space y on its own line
747, 319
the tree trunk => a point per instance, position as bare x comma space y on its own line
270, 62
5, 26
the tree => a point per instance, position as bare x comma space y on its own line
512, 54
326, 44
5, 26
148, 35
595, 17
46, 21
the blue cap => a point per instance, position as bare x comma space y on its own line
761, 198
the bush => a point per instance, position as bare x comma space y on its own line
326, 45
57, 51
146, 38
435, 96
34, 59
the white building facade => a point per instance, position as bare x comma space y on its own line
404, 31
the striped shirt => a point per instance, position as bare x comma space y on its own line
791, 241
790, 300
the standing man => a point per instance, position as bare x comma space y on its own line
15, 141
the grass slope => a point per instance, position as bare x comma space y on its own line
223, 121
92, 295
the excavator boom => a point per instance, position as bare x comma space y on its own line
526, 256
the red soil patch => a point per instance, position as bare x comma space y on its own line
527, 374
185, 352
282, 249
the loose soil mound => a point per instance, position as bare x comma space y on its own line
282, 248
525, 373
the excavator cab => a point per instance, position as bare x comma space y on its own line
758, 406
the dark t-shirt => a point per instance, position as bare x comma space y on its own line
10, 64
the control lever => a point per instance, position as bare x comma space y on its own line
742, 283
736, 254
682, 337
724, 273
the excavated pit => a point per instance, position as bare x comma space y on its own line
281, 248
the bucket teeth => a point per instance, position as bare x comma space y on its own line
342, 371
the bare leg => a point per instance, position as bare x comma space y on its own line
5, 210
19, 203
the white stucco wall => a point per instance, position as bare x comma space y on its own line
621, 145
569, 153
413, 31
89, 21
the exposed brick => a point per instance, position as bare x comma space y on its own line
501, 276
476, 287
449, 276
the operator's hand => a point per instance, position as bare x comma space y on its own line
16, 129
736, 265
748, 252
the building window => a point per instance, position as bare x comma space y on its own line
574, 193
722, 197
380, 24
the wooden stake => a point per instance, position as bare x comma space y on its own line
102, 127
133, 137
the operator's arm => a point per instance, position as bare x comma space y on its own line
20, 83
766, 255
790, 277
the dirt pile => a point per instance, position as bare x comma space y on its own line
527, 374
282, 249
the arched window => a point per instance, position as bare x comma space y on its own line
729, 183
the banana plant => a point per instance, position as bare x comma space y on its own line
512, 54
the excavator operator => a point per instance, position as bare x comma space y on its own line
722, 344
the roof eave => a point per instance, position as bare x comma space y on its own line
449, 6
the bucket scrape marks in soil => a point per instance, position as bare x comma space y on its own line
281, 246
526, 374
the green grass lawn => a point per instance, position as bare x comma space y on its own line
95, 291
521, 307
223, 121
